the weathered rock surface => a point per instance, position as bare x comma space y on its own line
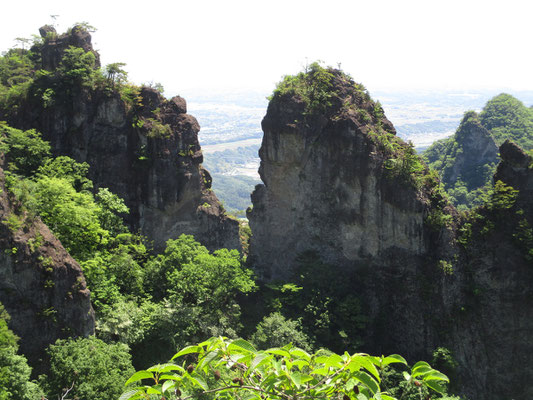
52, 53
327, 190
493, 333
477, 149
41, 286
147, 152
514, 170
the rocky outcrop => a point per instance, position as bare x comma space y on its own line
139, 145
492, 334
326, 189
333, 186
476, 150
41, 286
515, 170
52, 53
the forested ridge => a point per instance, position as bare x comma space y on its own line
201, 323
467, 161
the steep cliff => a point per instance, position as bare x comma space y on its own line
491, 332
327, 187
138, 144
41, 286
338, 185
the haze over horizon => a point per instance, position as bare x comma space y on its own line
246, 45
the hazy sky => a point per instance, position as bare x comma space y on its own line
212, 45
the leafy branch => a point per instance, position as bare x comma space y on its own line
232, 369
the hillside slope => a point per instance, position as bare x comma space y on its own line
466, 161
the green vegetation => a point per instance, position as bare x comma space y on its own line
90, 368
15, 373
147, 305
504, 117
25, 151
499, 214
508, 118
314, 87
235, 369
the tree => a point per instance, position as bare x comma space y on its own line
276, 330
15, 372
77, 69
95, 370
71, 215
110, 207
25, 151
116, 75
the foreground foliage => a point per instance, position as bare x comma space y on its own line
235, 369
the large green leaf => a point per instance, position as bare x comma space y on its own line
421, 371
167, 385
334, 360
394, 358
130, 395
369, 366
242, 345
261, 358
198, 380
160, 368
171, 367
436, 376
436, 386
187, 350
170, 377
207, 359
297, 352
367, 380
279, 352
137, 376
152, 390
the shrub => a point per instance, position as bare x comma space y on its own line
275, 330
25, 151
95, 370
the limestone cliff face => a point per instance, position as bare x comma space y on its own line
41, 285
515, 171
425, 277
492, 332
326, 190
146, 150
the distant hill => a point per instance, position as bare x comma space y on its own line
508, 118
466, 161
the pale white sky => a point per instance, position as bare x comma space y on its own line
236, 44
